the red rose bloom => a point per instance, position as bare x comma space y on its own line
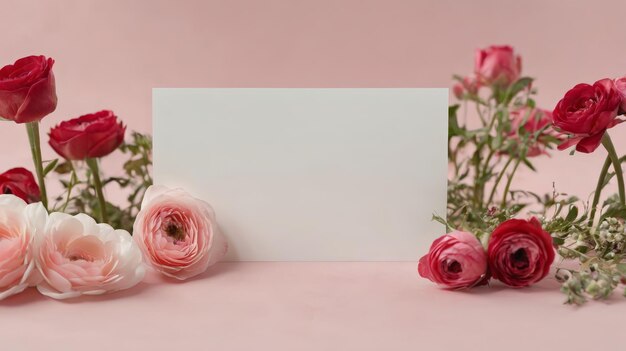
498, 65
520, 252
21, 183
88, 136
586, 112
27, 89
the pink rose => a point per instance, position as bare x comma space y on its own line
177, 233
520, 252
620, 85
498, 65
586, 112
455, 261
533, 121
77, 256
20, 224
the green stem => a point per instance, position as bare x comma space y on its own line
495, 186
599, 186
508, 182
35, 147
92, 163
610, 148
73, 180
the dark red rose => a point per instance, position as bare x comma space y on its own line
586, 112
89, 136
520, 252
21, 183
27, 89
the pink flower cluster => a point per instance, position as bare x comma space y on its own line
519, 253
67, 256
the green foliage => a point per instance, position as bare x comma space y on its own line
485, 159
80, 196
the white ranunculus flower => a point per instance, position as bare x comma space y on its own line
77, 256
19, 225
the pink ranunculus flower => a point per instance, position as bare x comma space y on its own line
620, 85
76, 256
20, 224
455, 261
498, 65
177, 233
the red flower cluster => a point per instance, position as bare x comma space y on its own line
21, 183
519, 253
587, 111
89, 136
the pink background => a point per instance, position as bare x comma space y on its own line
111, 53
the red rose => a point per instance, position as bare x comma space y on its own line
21, 183
498, 65
88, 136
27, 89
520, 252
455, 261
586, 112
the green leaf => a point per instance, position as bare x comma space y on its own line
50, 166
518, 86
453, 124
558, 241
63, 168
528, 164
572, 214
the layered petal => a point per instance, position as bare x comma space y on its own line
178, 233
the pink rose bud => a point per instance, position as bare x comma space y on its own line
586, 112
458, 91
455, 261
21, 224
177, 233
498, 65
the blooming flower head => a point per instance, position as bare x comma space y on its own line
76, 256
27, 89
456, 260
89, 136
177, 233
20, 224
586, 112
520, 252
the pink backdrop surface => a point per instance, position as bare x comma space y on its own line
111, 53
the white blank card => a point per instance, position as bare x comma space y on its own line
310, 174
